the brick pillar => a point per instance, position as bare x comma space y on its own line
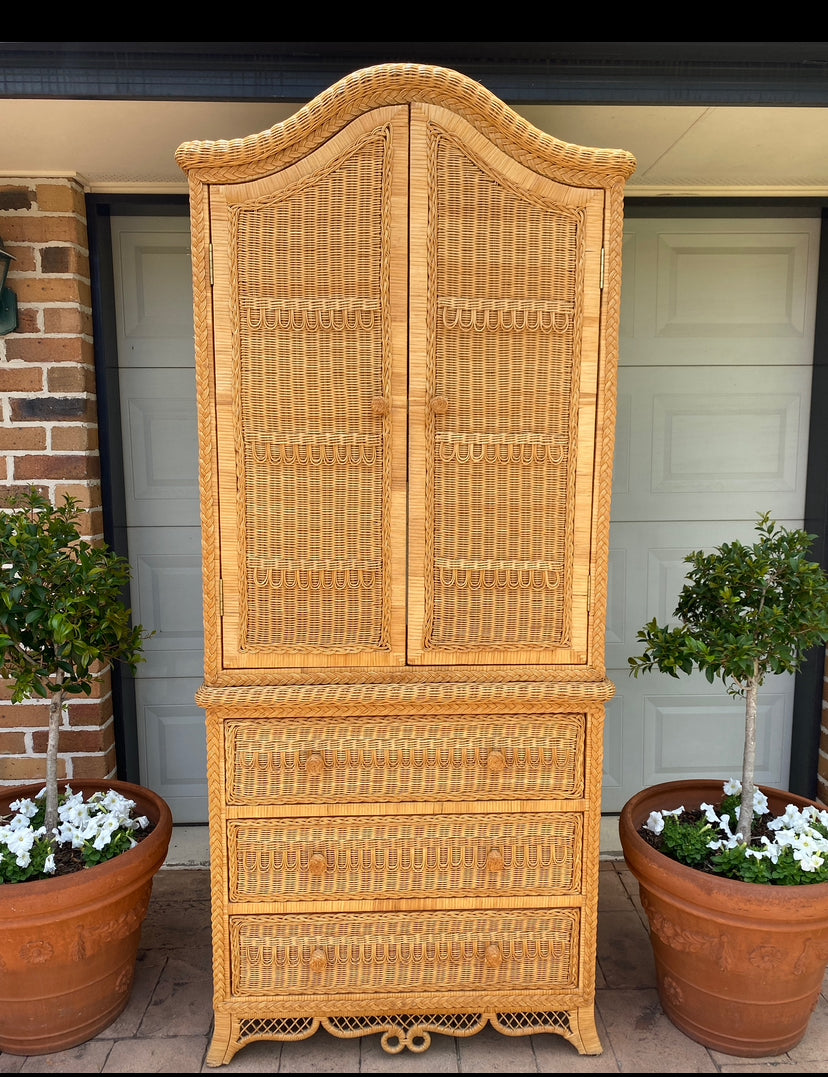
49, 435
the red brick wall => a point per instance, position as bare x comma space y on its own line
49, 435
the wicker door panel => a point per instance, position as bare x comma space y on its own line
274, 761
453, 284
310, 442
479, 951
446, 857
508, 360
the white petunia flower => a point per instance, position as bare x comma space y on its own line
808, 861
655, 822
26, 809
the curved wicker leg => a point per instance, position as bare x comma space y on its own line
225, 1041
584, 1033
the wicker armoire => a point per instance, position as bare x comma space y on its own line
406, 314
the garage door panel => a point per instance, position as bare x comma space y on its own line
160, 438
616, 728
719, 291
154, 292
154, 317
173, 745
720, 444
734, 284
681, 725
167, 599
686, 728
650, 559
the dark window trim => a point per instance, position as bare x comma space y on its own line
770, 73
808, 695
99, 210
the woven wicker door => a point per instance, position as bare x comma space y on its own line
359, 285
310, 313
504, 394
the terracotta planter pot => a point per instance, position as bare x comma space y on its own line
740, 965
68, 945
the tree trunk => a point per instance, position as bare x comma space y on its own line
745, 826
55, 714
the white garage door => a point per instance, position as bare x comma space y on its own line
154, 301
714, 391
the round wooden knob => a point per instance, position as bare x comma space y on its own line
380, 406
439, 405
317, 864
315, 764
494, 861
494, 955
318, 960
496, 761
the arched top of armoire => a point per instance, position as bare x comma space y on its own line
407, 305
243, 159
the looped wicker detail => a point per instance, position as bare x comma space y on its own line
553, 756
314, 579
489, 578
287, 318
482, 316
366, 450
430, 952
263, 861
492, 449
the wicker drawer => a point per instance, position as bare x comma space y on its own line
475, 951
277, 761
428, 856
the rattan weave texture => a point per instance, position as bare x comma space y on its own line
406, 307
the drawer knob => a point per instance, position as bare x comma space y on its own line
494, 956
317, 864
315, 764
496, 762
494, 861
380, 406
318, 960
439, 405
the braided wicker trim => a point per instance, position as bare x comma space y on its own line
546, 693
390, 84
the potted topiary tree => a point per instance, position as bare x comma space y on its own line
734, 878
77, 859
